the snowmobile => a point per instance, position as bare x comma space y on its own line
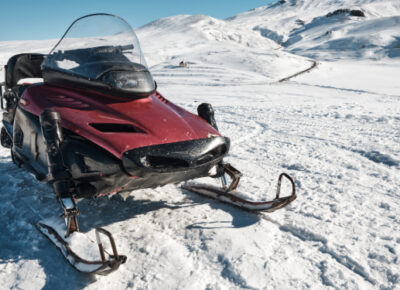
87, 119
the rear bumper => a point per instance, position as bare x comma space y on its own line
180, 157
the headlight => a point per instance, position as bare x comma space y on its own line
141, 81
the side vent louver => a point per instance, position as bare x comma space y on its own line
161, 98
116, 128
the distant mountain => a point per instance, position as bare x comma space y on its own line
195, 29
327, 29
210, 44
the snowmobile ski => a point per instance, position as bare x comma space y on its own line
226, 195
80, 251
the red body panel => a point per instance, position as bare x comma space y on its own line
162, 121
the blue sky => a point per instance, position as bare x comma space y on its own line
45, 19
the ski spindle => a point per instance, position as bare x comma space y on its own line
234, 174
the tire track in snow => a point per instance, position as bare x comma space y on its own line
373, 155
314, 65
254, 129
346, 89
205, 76
308, 236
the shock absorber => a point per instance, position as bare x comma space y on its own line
59, 175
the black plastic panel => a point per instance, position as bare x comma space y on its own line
175, 157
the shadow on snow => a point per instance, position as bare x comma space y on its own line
24, 202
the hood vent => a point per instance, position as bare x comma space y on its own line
161, 98
116, 128
67, 102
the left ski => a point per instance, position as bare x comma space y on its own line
227, 196
81, 252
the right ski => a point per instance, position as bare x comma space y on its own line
226, 194
88, 257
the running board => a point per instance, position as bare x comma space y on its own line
81, 252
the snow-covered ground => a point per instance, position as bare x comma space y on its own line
336, 130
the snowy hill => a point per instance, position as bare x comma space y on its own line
195, 29
213, 46
329, 29
334, 129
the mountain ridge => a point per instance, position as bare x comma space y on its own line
293, 24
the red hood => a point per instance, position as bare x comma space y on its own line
159, 120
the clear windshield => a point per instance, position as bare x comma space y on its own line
92, 44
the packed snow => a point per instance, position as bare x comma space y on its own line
335, 129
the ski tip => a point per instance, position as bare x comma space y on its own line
93, 258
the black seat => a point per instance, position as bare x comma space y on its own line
20, 66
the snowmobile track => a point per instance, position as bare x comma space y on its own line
313, 66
